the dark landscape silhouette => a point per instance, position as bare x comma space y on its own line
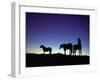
54, 59
57, 59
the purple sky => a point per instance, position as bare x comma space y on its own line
52, 30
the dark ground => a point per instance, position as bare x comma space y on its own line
37, 60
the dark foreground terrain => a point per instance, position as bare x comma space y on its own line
34, 60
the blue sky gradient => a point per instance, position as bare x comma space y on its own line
52, 30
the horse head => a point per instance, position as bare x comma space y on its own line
41, 46
61, 46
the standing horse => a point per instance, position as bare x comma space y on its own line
68, 46
78, 47
46, 49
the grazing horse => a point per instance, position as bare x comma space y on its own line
78, 47
46, 49
68, 46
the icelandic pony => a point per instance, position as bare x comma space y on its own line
77, 47
68, 46
46, 49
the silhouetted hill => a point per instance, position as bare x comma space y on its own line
34, 60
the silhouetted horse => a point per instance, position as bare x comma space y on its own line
77, 47
46, 49
68, 46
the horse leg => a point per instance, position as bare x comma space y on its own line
74, 52
71, 51
65, 52
80, 52
44, 52
50, 51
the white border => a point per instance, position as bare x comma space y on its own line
18, 62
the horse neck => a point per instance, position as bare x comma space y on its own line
61, 46
43, 47
79, 42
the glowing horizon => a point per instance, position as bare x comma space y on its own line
54, 52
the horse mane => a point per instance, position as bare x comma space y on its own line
42, 46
